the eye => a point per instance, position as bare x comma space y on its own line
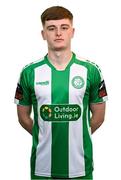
51, 28
64, 27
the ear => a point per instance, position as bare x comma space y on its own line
43, 35
73, 32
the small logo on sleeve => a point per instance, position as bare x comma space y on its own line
102, 90
19, 92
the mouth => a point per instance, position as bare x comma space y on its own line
58, 40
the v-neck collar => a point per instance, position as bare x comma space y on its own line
54, 68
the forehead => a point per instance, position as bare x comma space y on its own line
58, 22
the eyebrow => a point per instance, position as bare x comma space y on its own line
55, 25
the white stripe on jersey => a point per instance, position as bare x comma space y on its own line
88, 126
43, 96
76, 162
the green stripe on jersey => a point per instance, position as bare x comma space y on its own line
60, 80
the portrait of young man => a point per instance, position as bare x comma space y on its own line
68, 95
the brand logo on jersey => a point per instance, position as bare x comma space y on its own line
78, 82
46, 112
60, 112
42, 83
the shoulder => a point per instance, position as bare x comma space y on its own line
90, 65
33, 65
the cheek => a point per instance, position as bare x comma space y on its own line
49, 40
50, 37
69, 36
71, 33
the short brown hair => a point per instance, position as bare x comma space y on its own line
56, 13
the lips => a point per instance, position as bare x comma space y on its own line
59, 40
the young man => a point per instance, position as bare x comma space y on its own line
62, 89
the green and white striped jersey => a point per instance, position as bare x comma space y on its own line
61, 99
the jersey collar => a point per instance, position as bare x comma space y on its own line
68, 65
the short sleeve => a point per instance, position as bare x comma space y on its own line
23, 92
98, 92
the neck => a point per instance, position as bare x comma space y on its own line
59, 59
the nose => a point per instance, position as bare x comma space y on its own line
58, 32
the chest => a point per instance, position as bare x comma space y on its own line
52, 86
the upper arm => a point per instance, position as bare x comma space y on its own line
24, 117
98, 94
23, 111
98, 111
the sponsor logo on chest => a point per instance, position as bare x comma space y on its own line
60, 112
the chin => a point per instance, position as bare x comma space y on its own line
59, 48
